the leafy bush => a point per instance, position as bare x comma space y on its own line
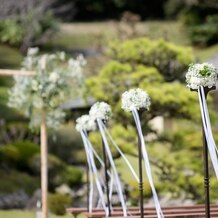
157, 67
58, 203
28, 29
201, 23
72, 175
206, 33
9, 155
55, 167
19, 153
11, 32
64, 142
173, 7
169, 59
26, 150
12, 181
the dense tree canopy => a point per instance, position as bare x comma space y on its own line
158, 67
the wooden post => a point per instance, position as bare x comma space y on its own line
44, 165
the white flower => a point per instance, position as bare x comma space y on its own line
35, 85
53, 77
135, 99
47, 88
201, 75
55, 118
100, 110
85, 122
32, 51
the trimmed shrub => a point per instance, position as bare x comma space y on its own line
58, 203
72, 175
12, 181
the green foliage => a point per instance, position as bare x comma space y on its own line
55, 165
9, 154
11, 32
172, 8
72, 175
157, 67
26, 151
59, 172
26, 214
19, 153
26, 30
10, 58
65, 142
12, 181
58, 203
146, 64
206, 33
200, 21
169, 59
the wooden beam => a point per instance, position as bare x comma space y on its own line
7, 72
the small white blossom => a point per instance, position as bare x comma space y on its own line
85, 122
47, 88
54, 77
55, 118
201, 75
100, 110
135, 99
32, 51
35, 85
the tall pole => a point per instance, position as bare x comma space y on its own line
206, 165
44, 165
106, 168
140, 177
88, 185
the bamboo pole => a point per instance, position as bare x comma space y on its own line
44, 165
7, 72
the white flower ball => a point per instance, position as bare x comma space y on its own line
135, 99
201, 75
100, 110
85, 122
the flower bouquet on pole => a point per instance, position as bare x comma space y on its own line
202, 78
101, 112
39, 97
84, 125
133, 101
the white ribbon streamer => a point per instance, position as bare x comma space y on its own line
89, 174
147, 164
117, 180
207, 130
101, 182
121, 153
91, 162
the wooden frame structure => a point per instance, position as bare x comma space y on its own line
43, 144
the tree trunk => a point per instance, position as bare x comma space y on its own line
44, 165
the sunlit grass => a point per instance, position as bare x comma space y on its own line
206, 53
10, 57
26, 214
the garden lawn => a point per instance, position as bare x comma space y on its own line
25, 214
